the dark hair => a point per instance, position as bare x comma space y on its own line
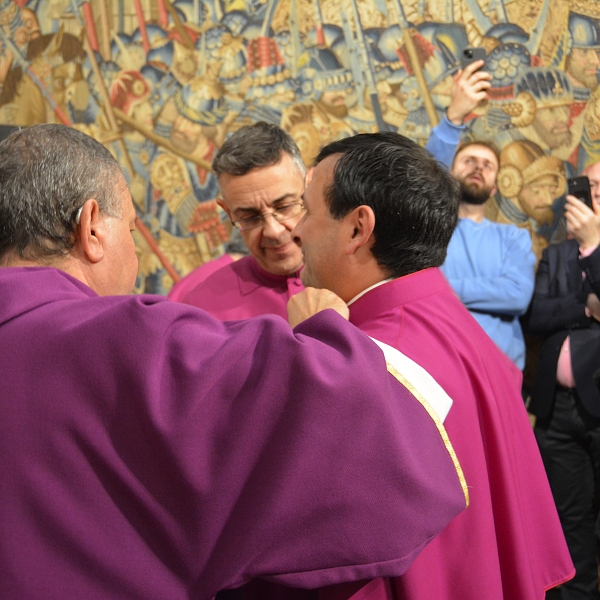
485, 143
47, 172
414, 198
254, 146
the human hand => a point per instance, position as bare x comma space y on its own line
592, 306
583, 223
311, 301
469, 88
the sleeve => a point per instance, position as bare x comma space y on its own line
508, 291
292, 456
550, 311
591, 266
443, 141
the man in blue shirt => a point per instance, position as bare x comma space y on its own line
489, 265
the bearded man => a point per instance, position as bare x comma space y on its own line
489, 265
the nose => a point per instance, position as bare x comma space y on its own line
272, 228
547, 197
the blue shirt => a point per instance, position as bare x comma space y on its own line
443, 141
490, 266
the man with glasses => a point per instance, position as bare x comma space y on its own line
262, 177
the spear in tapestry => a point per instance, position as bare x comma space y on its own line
197, 12
142, 23
319, 24
268, 18
415, 64
371, 89
90, 26
121, 15
159, 140
22, 62
105, 38
357, 72
163, 15
203, 55
295, 35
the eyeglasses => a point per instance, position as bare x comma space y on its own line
282, 213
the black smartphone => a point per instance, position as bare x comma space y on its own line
470, 55
580, 188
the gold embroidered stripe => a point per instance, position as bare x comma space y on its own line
461, 477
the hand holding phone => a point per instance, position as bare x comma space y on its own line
582, 224
471, 55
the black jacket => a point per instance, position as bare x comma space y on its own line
558, 310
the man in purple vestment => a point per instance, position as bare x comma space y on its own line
379, 216
261, 178
150, 451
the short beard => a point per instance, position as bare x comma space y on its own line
473, 194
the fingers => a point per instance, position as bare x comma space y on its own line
578, 208
469, 88
311, 301
582, 223
471, 68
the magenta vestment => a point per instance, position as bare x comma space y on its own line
191, 280
152, 452
508, 545
242, 290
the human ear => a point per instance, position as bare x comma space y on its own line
362, 223
91, 230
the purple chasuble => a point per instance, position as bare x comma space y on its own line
508, 545
243, 289
151, 452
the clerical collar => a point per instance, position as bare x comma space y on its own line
369, 289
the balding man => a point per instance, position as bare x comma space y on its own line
150, 451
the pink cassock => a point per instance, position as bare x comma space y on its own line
197, 276
242, 290
508, 545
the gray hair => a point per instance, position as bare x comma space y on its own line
255, 146
47, 172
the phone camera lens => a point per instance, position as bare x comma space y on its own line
469, 53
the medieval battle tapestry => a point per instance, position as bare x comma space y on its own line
162, 83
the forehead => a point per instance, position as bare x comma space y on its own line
546, 180
477, 151
593, 172
321, 179
552, 111
262, 184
